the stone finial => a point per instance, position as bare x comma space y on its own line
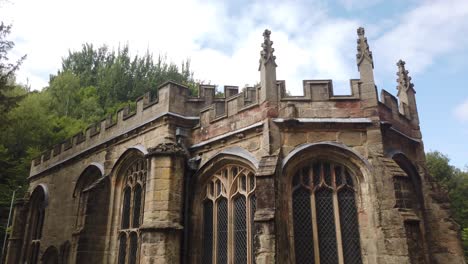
403, 80
266, 55
363, 51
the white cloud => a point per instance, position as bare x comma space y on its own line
224, 48
461, 111
424, 34
224, 45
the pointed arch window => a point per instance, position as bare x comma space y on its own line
86, 179
132, 213
36, 222
324, 215
228, 211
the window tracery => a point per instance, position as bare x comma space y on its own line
132, 213
324, 215
228, 211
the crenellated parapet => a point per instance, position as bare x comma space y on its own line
211, 115
229, 105
401, 111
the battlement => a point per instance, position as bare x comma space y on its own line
171, 99
397, 114
237, 109
231, 104
319, 91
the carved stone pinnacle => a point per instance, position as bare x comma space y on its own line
363, 50
266, 55
403, 80
360, 31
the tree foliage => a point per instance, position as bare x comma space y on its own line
456, 182
92, 83
7, 72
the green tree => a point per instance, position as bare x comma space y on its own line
7, 72
456, 183
8, 100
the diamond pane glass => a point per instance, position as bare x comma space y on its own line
133, 248
222, 232
253, 208
126, 209
349, 227
207, 254
326, 226
122, 248
302, 222
240, 230
136, 206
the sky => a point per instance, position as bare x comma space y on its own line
313, 39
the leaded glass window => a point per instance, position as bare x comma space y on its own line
404, 192
132, 213
324, 215
122, 248
228, 212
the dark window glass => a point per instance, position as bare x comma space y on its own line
405, 193
136, 206
338, 176
126, 209
317, 171
240, 230
133, 248
122, 248
253, 208
326, 226
327, 174
302, 223
349, 227
207, 257
222, 214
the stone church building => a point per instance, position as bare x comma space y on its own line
257, 176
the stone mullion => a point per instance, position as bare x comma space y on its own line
339, 243
230, 215
249, 221
314, 227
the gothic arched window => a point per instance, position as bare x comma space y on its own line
131, 214
324, 215
228, 210
36, 222
90, 175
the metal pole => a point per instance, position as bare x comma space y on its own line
8, 224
